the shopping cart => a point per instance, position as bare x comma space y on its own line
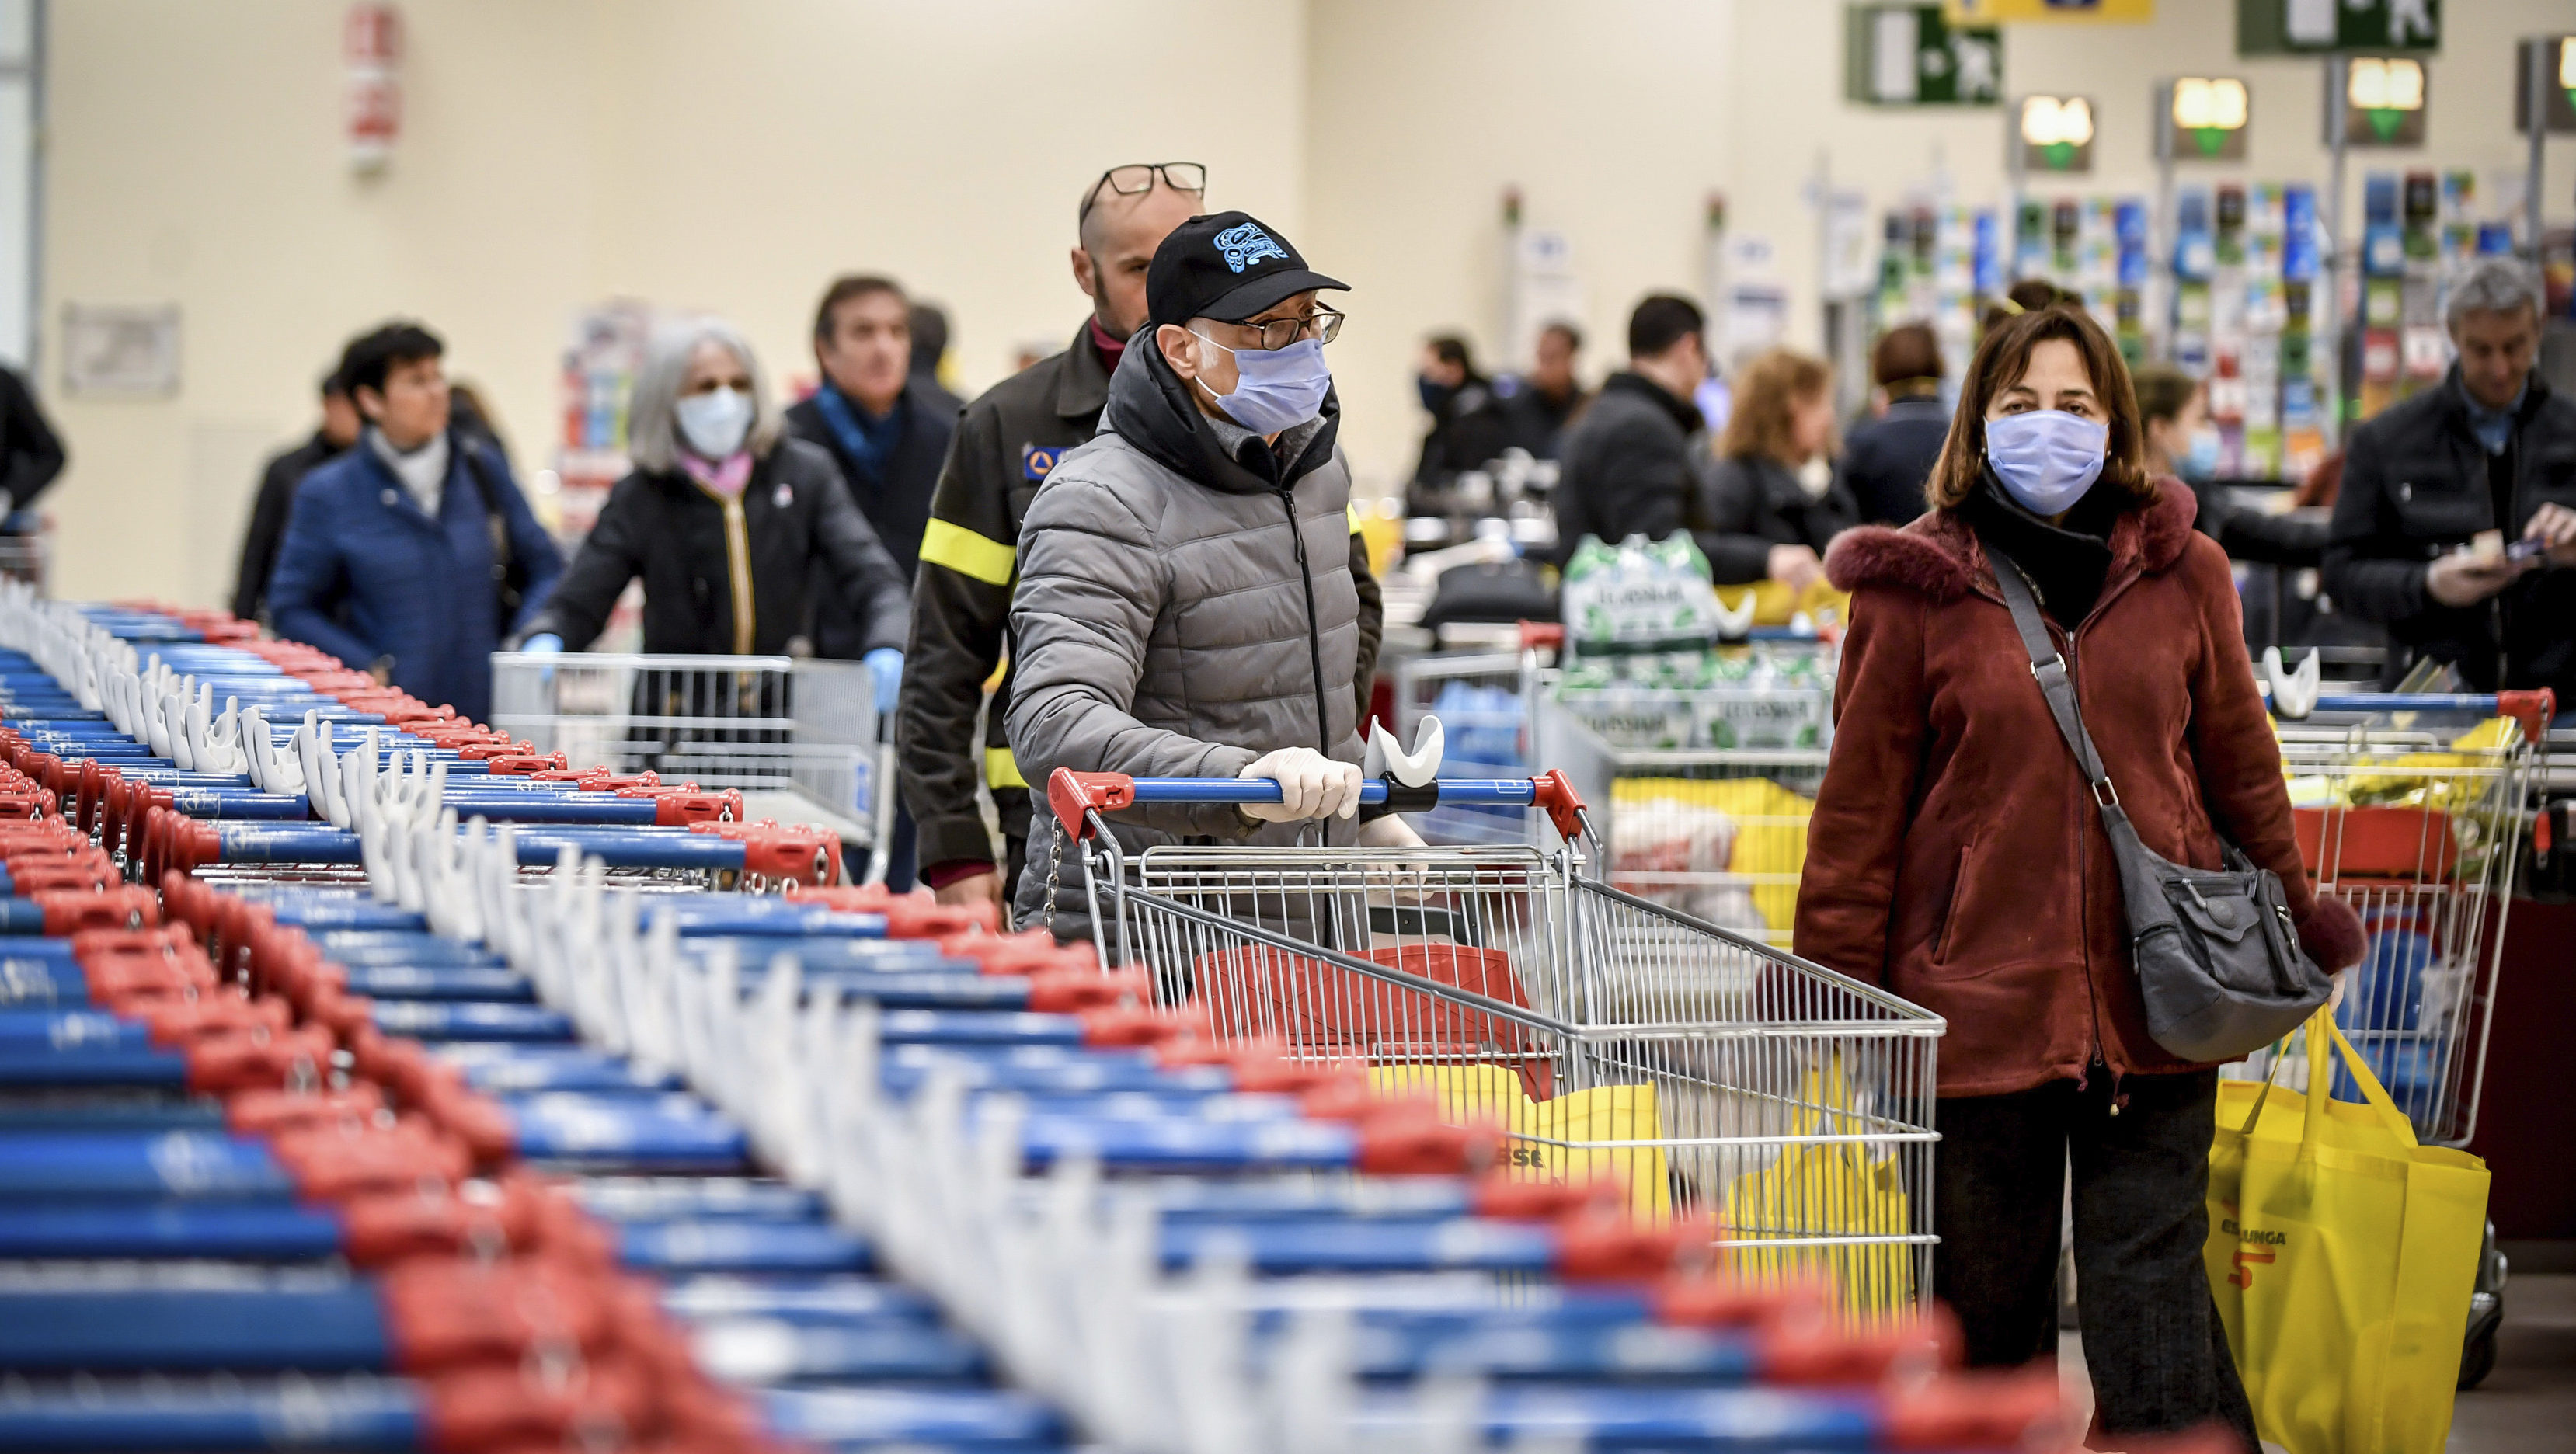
760, 724
1480, 698
1697, 1069
1705, 791
2410, 807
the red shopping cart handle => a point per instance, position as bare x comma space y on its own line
1076, 795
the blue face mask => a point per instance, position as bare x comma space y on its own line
2046, 458
2199, 462
1274, 389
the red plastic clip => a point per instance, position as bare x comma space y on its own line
1075, 795
796, 853
1564, 806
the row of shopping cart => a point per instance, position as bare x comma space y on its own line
506, 1133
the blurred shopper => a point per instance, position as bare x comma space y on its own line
1008, 440
1468, 427
2456, 524
471, 415
930, 358
31, 454
1774, 501
1956, 859
413, 554
277, 481
1886, 460
1186, 607
1539, 404
886, 433
725, 519
1627, 462
2173, 410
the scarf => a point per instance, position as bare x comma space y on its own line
725, 480
866, 442
423, 471
1109, 348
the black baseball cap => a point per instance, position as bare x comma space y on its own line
1225, 266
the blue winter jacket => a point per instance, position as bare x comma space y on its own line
364, 573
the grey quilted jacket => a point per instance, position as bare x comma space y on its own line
1169, 622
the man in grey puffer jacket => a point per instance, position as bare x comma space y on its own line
1185, 605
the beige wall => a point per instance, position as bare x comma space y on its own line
555, 152
732, 157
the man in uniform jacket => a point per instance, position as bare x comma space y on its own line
1186, 607
2439, 490
1006, 443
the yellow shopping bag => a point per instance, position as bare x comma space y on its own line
1828, 1189
1557, 1139
2342, 1255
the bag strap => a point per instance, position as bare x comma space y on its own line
2048, 667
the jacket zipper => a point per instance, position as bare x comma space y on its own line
738, 569
1314, 642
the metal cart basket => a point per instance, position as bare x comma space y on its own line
1702, 1071
797, 724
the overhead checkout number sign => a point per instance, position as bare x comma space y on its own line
1907, 55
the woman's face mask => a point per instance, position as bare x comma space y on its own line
2199, 462
1274, 389
2045, 458
714, 423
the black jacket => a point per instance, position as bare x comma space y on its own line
897, 501
1468, 431
2415, 484
2252, 535
277, 483
1753, 504
1538, 423
798, 526
1625, 466
31, 455
1005, 444
1886, 460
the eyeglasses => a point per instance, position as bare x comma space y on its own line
1276, 333
1137, 178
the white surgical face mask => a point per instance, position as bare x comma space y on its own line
1816, 476
1274, 389
715, 422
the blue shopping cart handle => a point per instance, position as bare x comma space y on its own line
1074, 796
2533, 708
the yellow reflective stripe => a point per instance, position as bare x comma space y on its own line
967, 553
1001, 770
1353, 511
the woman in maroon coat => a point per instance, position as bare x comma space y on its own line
1956, 858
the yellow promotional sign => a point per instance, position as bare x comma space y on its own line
2342, 1255
2011, 12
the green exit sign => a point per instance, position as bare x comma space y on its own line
2323, 27
1907, 55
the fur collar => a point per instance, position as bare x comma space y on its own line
1939, 555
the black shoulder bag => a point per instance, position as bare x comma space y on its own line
2217, 956
509, 573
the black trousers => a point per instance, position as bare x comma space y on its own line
2152, 1340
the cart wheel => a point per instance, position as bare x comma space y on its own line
2478, 1357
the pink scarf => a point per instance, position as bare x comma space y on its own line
726, 479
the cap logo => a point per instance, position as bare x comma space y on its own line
1248, 244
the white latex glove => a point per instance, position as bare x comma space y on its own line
1310, 784
1390, 831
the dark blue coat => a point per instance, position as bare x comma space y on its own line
364, 573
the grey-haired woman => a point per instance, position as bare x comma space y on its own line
727, 520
